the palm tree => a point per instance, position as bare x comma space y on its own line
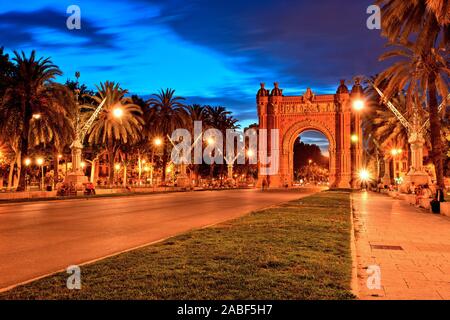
428, 19
32, 96
427, 22
220, 119
119, 122
423, 72
194, 113
6, 70
167, 113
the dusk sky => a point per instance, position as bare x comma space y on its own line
211, 51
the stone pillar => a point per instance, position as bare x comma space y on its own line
230, 171
182, 178
416, 173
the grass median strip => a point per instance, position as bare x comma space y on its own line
298, 250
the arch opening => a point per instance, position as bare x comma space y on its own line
311, 158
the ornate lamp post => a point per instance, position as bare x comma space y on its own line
76, 176
40, 163
157, 142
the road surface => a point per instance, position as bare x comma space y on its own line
40, 238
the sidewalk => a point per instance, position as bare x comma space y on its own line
410, 246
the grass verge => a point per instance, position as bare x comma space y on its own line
298, 250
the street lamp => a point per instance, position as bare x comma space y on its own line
118, 112
354, 138
395, 152
40, 162
27, 164
358, 104
210, 141
364, 175
157, 142
36, 116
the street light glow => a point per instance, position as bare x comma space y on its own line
27, 161
83, 164
36, 116
250, 153
157, 142
118, 112
358, 104
117, 166
364, 175
354, 138
210, 141
40, 161
395, 152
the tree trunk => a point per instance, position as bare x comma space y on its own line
111, 167
164, 164
11, 174
55, 168
93, 163
19, 170
22, 176
24, 144
435, 126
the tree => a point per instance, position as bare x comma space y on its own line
426, 21
167, 113
32, 96
6, 71
119, 122
423, 72
194, 113
219, 118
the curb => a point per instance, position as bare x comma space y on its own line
354, 281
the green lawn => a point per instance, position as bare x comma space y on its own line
299, 250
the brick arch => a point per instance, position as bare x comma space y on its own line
297, 128
291, 135
330, 114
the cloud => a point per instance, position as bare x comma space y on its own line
214, 52
47, 28
304, 43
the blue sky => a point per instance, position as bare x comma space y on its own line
211, 51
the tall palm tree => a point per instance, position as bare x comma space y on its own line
194, 113
423, 72
167, 113
6, 70
219, 118
32, 96
426, 21
119, 122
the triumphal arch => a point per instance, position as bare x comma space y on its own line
334, 115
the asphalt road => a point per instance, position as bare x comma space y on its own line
40, 238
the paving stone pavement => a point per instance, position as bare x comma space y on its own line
409, 248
